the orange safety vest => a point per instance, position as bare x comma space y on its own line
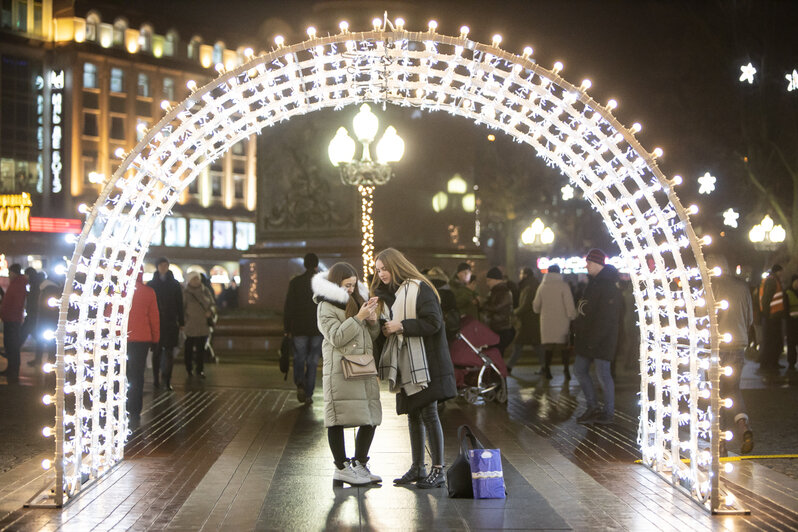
777, 303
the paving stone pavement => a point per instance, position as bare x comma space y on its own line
247, 452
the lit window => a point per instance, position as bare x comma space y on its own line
199, 232
89, 76
143, 86
169, 89
218, 53
222, 234
117, 80
245, 235
174, 231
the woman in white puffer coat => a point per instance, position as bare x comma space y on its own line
348, 321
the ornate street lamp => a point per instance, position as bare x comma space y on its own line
766, 235
457, 195
537, 236
366, 173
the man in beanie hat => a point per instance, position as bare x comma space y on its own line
596, 331
498, 308
463, 287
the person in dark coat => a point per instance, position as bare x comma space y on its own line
398, 279
12, 312
169, 294
31, 306
774, 311
528, 319
451, 314
498, 308
299, 322
596, 329
143, 333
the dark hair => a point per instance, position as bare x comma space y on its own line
527, 271
337, 274
554, 268
30, 272
15, 268
161, 260
310, 261
776, 268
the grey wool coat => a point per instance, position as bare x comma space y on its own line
349, 403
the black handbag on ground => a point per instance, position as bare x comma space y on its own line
458, 476
286, 348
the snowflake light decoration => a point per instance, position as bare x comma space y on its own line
792, 81
748, 72
567, 128
567, 192
707, 182
730, 217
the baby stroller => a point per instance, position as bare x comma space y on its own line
479, 370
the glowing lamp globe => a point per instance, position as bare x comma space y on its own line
547, 237
756, 234
537, 226
342, 148
528, 236
457, 185
469, 202
391, 147
778, 234
366, 124
767, 223
440, 201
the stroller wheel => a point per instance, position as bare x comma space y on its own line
490, 395
471, 395
501, 393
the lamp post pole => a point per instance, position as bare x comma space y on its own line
366, 173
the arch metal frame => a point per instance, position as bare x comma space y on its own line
678, 431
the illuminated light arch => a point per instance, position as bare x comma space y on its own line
503, 91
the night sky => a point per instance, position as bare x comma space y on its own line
673, 66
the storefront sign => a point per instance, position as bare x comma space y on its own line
15, 212
40, 132
57, 96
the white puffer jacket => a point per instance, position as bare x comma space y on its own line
350, 403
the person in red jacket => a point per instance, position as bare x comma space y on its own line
12, 312
143, 332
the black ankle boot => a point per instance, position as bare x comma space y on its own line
435, 479
414, 474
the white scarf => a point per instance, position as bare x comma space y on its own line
404, 359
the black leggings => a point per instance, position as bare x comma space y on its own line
335, 436
423, 420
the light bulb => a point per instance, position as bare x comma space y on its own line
728, 402
636, 127
165, 105
400, 23
728, 435
728, 371
497, 40
558, 66
46, 464
311, 31
528, 51
612, 104
432, 25
692, 209
343, 26
586, 84
48, 367
464, 31
47, 432
657, 152
716, 271
707, 240
47, 399
727, 338
705, 393
677, 180
219, 67
119, 153
83, 208
728, 467
377, 23
249, 52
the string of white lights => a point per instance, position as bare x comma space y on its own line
433, 72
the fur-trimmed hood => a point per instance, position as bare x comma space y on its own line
324, 290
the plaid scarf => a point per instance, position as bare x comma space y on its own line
404, 361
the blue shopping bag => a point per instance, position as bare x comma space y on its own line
487, 478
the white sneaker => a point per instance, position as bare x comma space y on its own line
364, 471
350, 476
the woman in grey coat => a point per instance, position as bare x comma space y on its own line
199, 307
348, 321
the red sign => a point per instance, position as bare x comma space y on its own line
55, 225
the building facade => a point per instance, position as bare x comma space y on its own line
79, 88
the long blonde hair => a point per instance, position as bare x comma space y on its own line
401, 270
